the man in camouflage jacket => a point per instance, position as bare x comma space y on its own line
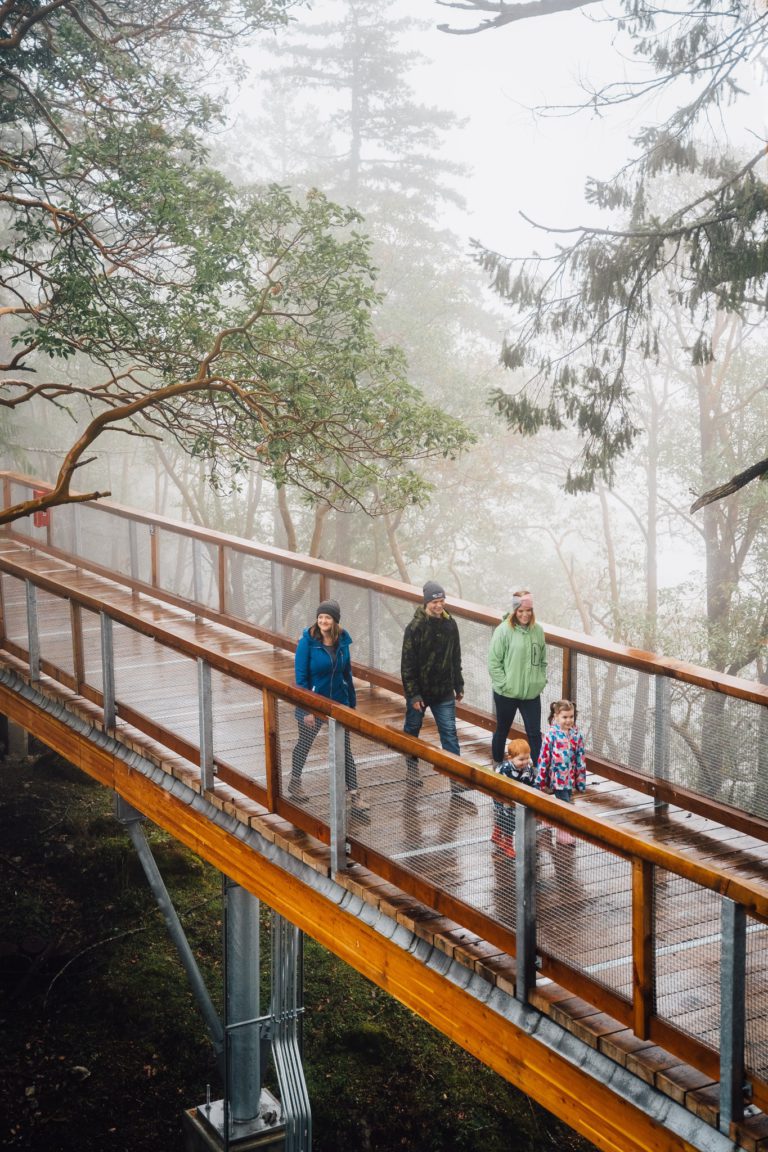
430, 669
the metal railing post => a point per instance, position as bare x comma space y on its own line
223, 598
205, 722
276, 580
133, 549
154, 559
525, 891
33, 633
76, 530
107, 671
661, 735
733, 987
338, 807
374, 624
197, 574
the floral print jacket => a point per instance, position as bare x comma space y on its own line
561, 761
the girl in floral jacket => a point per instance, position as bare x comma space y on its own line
561, 768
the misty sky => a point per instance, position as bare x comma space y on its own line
530, 162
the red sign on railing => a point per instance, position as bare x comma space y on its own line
41, 518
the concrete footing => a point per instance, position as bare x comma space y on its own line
204, 1129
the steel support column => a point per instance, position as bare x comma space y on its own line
242, 972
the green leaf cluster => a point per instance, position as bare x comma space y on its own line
692, 230
240, 322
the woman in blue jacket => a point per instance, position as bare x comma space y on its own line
323, 665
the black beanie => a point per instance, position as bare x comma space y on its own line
329, 608
433, 591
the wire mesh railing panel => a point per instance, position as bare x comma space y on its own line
14, 609
296, 595
615, 712
736, 770
718, 747
357, 616
54, 628
251, 591
687, 956
37, 533
63, 528
90, 630
554, 689
756, 1046
417, 820
687, 724
249, 588
187, 567
392, 614
238, 726
584, 908
303, 757
475, 642
156, 682
603, 884
101, 538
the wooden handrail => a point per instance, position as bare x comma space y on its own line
644, 856
753, 897
622, 655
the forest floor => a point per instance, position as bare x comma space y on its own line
104, 1048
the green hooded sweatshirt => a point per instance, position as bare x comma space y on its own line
517, 660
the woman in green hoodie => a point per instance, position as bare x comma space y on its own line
517, 662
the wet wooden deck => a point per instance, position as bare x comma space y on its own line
584, 893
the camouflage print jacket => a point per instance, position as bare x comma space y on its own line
431, 662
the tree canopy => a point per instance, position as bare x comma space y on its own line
699, 239
141, 291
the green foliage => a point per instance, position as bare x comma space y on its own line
694, 233
238, 322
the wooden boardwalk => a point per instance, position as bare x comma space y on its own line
584, 893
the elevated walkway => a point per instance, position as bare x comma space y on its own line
597, 978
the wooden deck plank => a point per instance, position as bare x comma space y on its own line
447, 848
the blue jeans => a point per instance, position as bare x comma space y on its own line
530, 714
444, 714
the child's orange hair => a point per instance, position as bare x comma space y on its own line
518, 748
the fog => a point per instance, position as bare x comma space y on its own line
630, 563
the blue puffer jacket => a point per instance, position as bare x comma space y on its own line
320, 670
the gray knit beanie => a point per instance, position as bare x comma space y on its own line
433, 591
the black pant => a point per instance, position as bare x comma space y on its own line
506, 709
307, 737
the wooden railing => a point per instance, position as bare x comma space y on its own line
211, 576
683, 734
